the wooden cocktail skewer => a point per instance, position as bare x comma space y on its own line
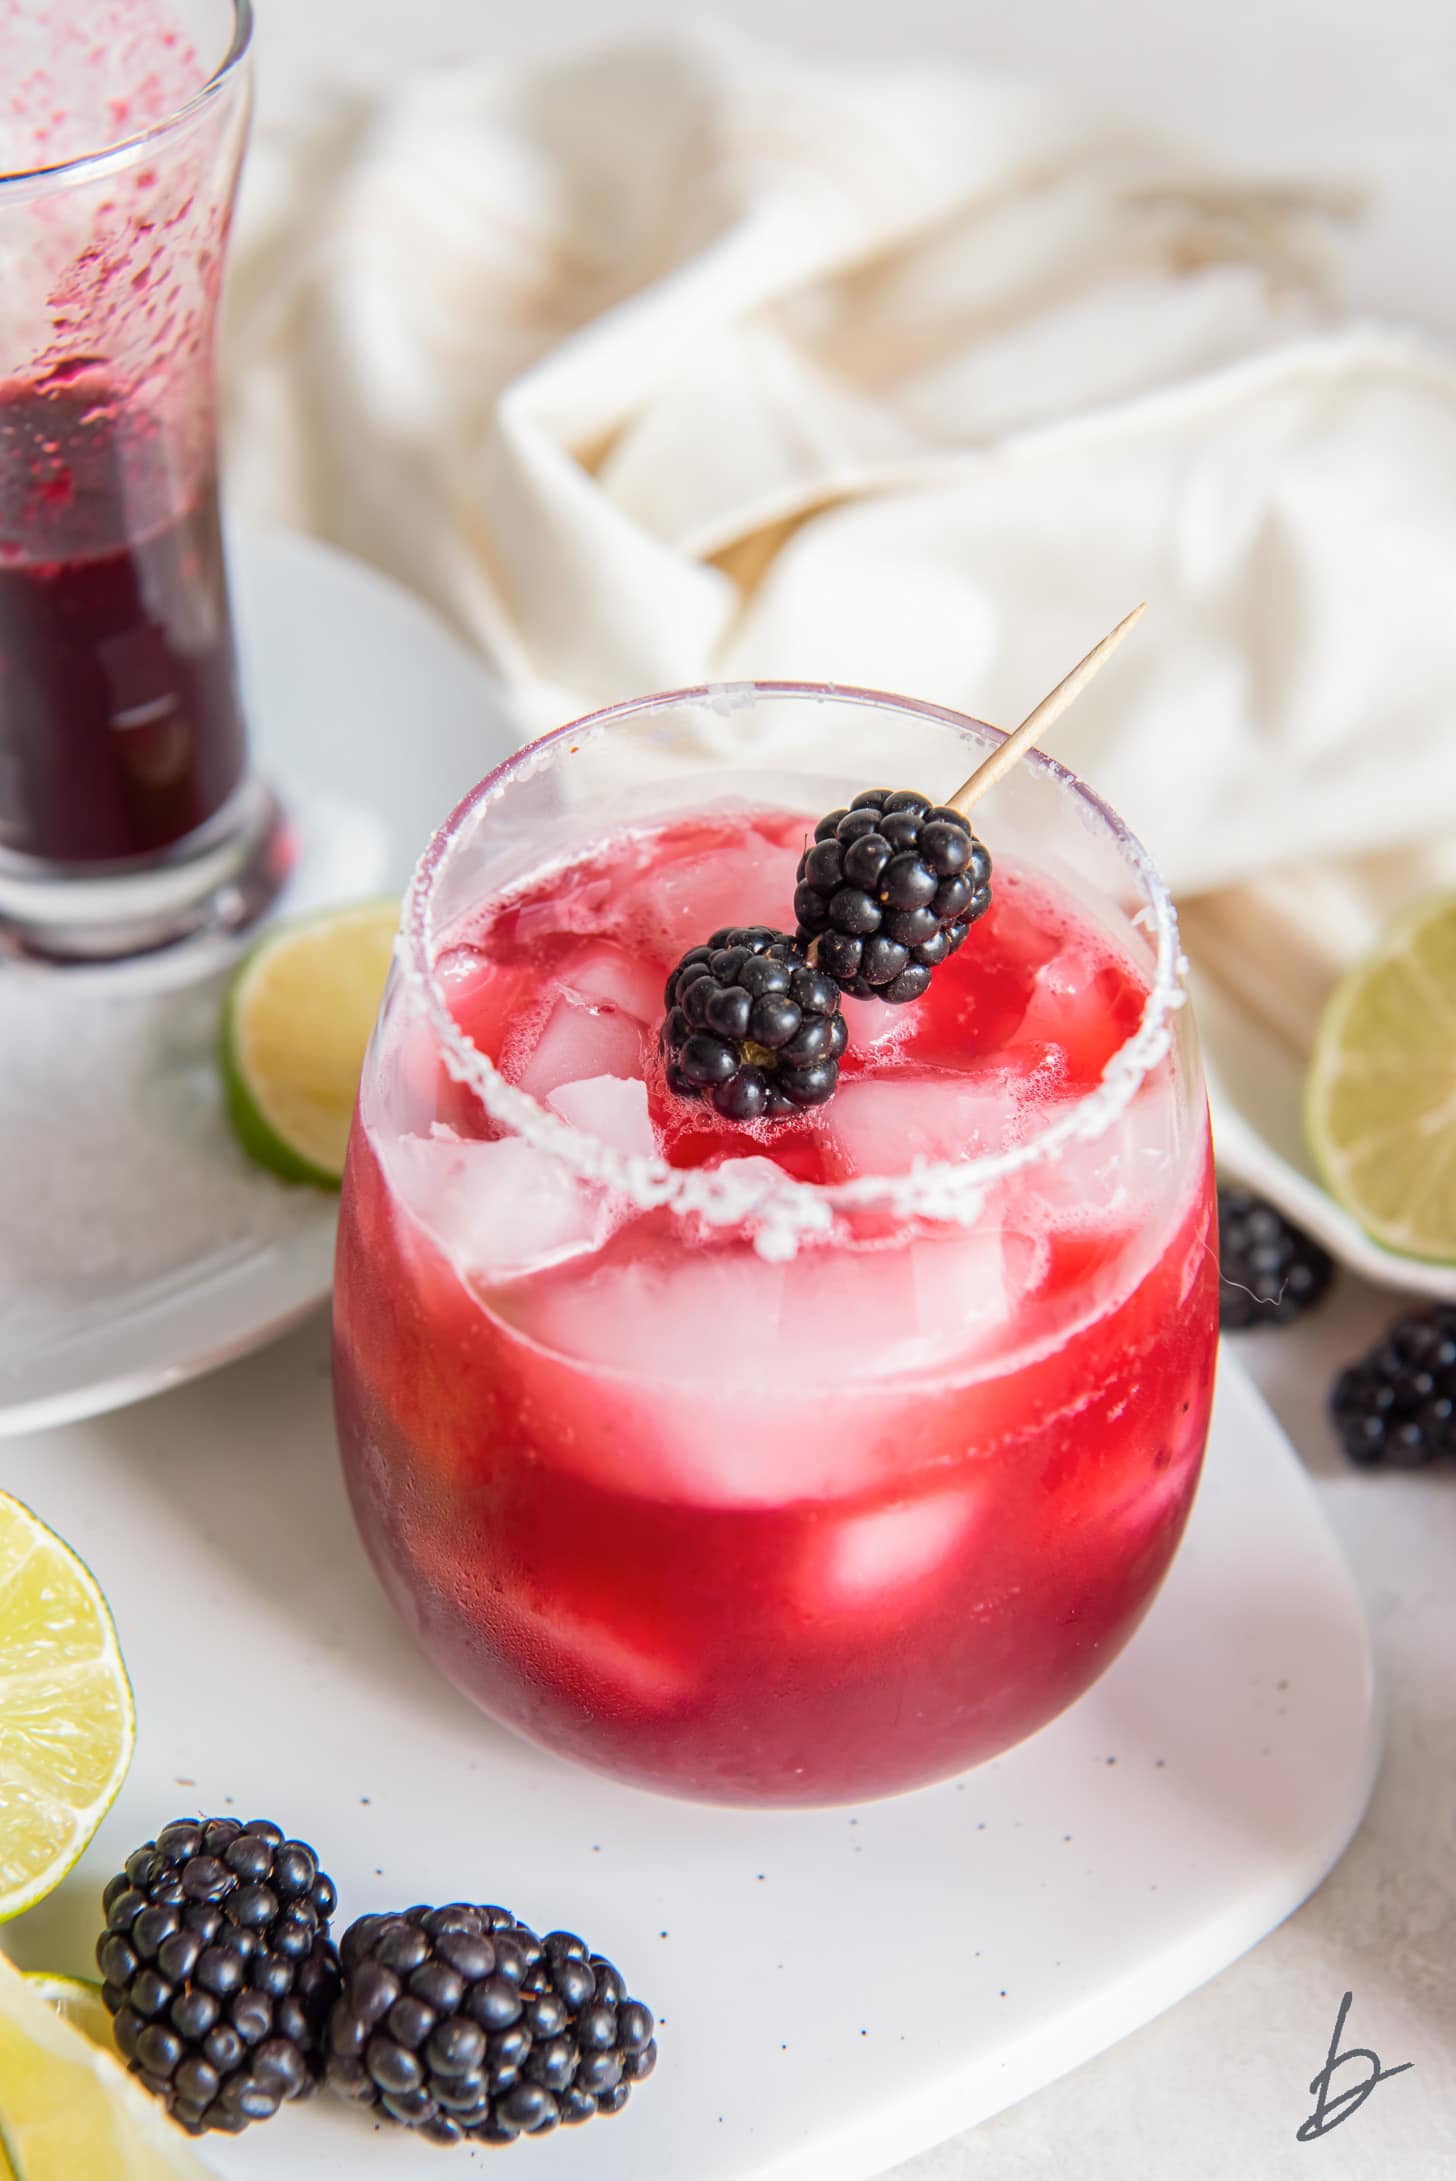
707, 1054
1016, 745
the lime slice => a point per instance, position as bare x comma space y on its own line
79, 2001
1380, 1098
68, 2110
295, 1028
66, 1719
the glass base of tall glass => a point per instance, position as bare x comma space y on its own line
211, 886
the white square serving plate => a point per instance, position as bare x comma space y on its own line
837, 1989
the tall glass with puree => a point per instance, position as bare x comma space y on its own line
802, 1460
130, 818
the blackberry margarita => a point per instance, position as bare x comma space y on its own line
806, 1458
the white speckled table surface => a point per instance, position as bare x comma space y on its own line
1219, 2085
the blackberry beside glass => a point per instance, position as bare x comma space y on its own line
1270, 1271
219, 1969
1396, 1407
459, 2022
888, 891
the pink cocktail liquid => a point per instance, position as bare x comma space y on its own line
746, 1528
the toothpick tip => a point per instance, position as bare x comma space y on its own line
1015, 746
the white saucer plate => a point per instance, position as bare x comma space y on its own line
137, 1246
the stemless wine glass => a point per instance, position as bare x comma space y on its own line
128, 816
761, 1480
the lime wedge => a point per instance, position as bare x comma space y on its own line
1380, 1097
66, 1719
296, 1025
68, 2110
79, 2001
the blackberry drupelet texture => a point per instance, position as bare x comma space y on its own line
1397, 1405
751, 1027
1270, 1272
219, 1969
888, 891
459, 2022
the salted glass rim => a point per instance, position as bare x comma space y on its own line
782, 1210
93, 166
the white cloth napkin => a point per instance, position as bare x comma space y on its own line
687, 360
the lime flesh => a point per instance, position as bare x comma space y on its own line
66, 1720
297, 1020
1380, 1097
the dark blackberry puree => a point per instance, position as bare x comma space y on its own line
121, 730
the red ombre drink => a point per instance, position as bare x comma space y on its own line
805, 1460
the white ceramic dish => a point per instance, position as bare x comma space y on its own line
838, 1989
137, 1246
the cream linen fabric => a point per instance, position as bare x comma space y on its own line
688, 360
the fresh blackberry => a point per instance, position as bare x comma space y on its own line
888, 891
1397, 1405
1270, 1272
219, 1969
459, 2022
751, 1027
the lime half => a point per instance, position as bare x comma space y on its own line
68, 2109
66, 1719
1380, 1098
296, 1025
